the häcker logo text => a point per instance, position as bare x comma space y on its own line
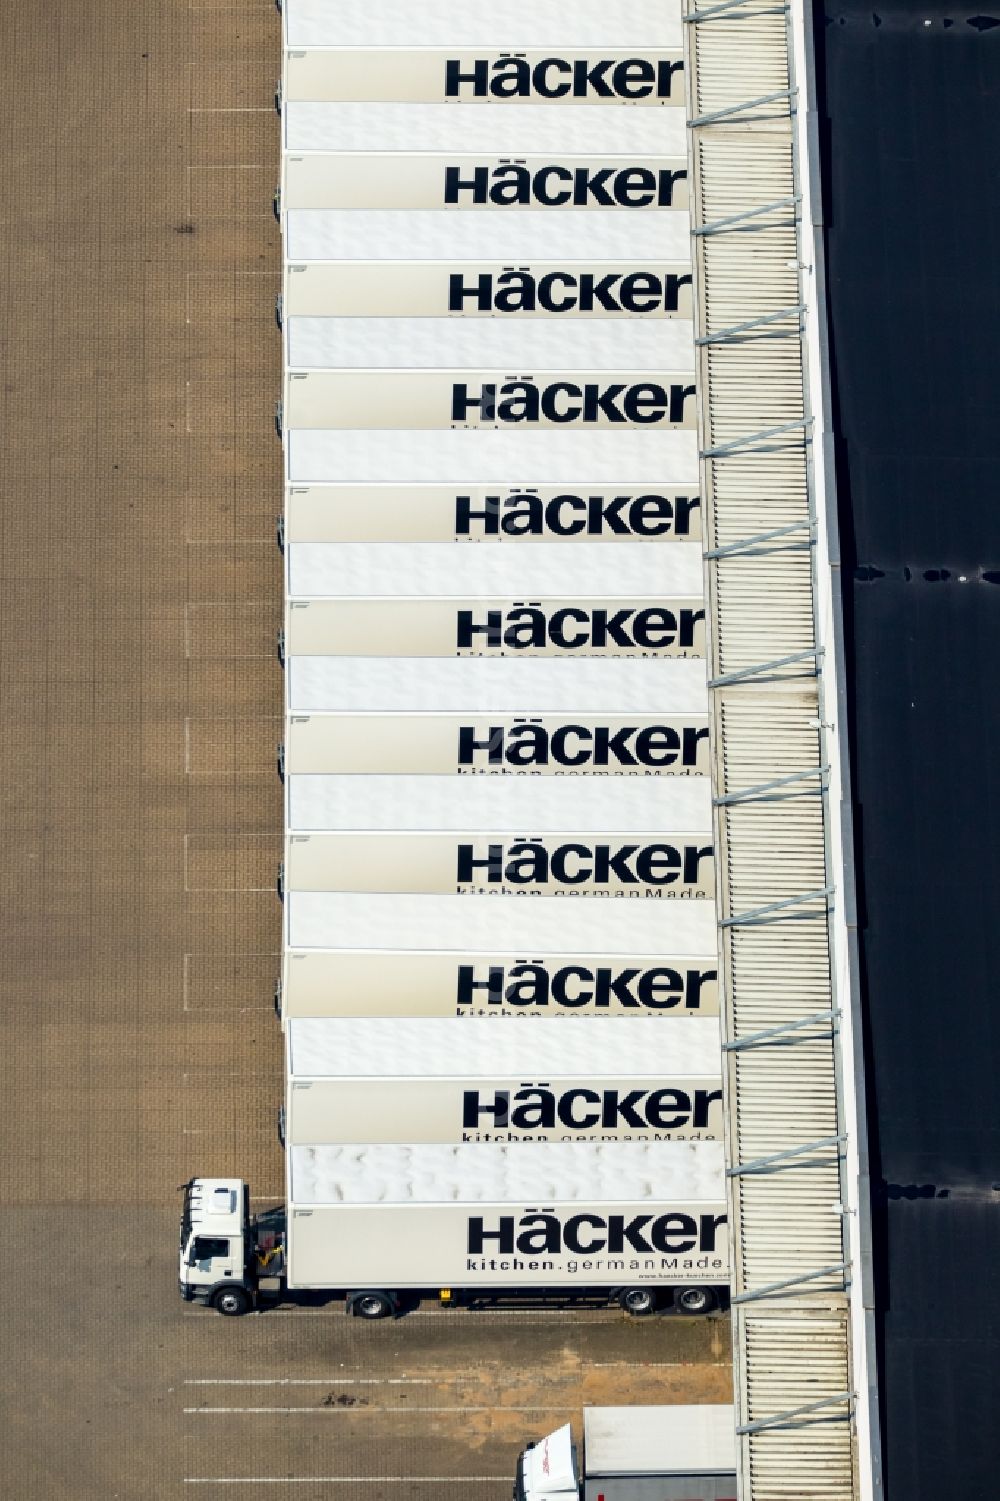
520, 291
605, 987
538, 1107
527, 863
524, 514
538, 1231
514, 77
580, 628
528, 744
644, 403
556, 185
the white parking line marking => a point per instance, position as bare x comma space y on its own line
315, 1381
339, 1479
361, 1412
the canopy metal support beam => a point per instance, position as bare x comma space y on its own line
759, 1039
778, 1287
780, 1419
760, 668
736, 110
759, 793
749, 544
788, 1155
758, 915
741, 220
729, 335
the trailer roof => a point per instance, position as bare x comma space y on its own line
642, 805
320, 342
571, 234
479, 1047
511, 924
623, 685
553, 456
489, 1173
699, 1440
535, 23
579, 129
346, 569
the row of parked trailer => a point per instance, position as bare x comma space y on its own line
499, 981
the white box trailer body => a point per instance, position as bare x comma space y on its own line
438, 983
678, 1453
421, 1080
465, 1215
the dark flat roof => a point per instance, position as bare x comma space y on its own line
911, 158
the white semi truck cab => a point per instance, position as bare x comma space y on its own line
227, 1257
681, 1453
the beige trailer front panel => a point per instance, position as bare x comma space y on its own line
489, 289
592, 1108
438, 75
421, 983
609, 865
480, 513
497, 745
457, 182
485, 627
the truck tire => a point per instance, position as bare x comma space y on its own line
638, 1301
694, 1301
231, 1301
372, 1305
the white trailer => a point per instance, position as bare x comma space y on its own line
640, 1224
678, 1453
354, 982
420, 1080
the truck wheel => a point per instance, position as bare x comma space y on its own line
694, 1300
232, 1301
638, 1301
372, 1306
